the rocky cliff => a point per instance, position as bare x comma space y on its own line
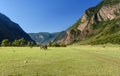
96, 24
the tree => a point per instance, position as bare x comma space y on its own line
18, 43
28, 43
50, 44
56, 45
15, 43
5, 42
21, 42
32, 43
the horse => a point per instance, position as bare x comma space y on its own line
31, 46
43, 47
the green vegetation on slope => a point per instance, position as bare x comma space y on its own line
105, 32
110, 33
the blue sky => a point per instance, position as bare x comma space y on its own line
45, 15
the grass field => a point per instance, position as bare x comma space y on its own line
69, 61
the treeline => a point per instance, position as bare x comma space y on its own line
50, 44
22, 43
16, 43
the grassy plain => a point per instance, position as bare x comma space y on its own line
70, 61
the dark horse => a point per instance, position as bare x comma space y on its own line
43, 47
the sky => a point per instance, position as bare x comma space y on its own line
45, 15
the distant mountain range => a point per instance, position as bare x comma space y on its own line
45, 37
11, 30
98, 25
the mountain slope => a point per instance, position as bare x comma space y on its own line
45, 37
96, 25
10, 30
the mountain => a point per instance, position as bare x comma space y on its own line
98, 25
45, 37
11, 30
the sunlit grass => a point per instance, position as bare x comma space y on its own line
69, 61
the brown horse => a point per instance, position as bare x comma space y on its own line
43, 47
31, 46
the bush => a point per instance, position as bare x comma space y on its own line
58, 45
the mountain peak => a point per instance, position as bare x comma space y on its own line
10, 30
94, 22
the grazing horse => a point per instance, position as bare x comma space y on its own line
43, 47
31, 46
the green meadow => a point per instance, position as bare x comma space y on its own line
60, 61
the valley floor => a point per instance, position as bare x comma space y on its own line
69, 61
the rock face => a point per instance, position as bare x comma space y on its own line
104, 14
10, 30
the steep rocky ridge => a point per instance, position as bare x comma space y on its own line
94, 21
